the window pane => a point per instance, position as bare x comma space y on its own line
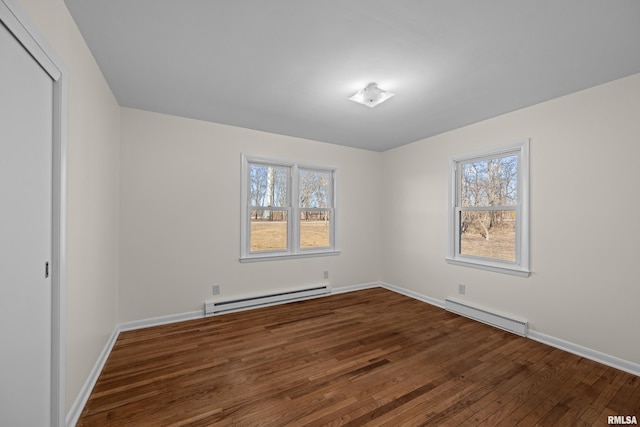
268, 185
268, 230
315, 229
488, 234
492, 182
315, 189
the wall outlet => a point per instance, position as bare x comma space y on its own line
462, 289
325, 275
216, 289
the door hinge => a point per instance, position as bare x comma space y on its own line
46, 269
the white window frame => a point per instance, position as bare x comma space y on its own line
293, 212
521, 265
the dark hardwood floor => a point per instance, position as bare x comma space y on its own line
371, 357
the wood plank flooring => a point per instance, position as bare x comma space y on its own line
371, 357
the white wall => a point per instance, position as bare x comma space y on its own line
585, 233
180, 214
92, 239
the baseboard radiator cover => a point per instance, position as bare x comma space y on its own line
508, 323
220, 306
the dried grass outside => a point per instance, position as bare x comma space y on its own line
268, 235
272, 235
500, 245
314, 234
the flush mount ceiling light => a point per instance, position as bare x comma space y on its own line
371, 95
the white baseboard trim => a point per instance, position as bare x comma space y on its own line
352, 288
587, 353
78, 405
160, 320
438, 303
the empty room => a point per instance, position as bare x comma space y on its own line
293, 213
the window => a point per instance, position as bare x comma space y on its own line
488, 209
288, 210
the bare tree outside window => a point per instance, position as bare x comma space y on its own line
489, 209
315, 194
289, 208
488, 199
268, 197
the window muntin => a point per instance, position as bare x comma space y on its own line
489, 209
288, 209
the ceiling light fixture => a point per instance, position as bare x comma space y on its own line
371, 95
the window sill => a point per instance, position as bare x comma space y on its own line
497, 268
273, 257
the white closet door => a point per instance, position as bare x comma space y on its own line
26, 129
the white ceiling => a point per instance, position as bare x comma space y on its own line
288, 66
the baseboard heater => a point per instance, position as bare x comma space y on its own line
214, 307
517, 326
